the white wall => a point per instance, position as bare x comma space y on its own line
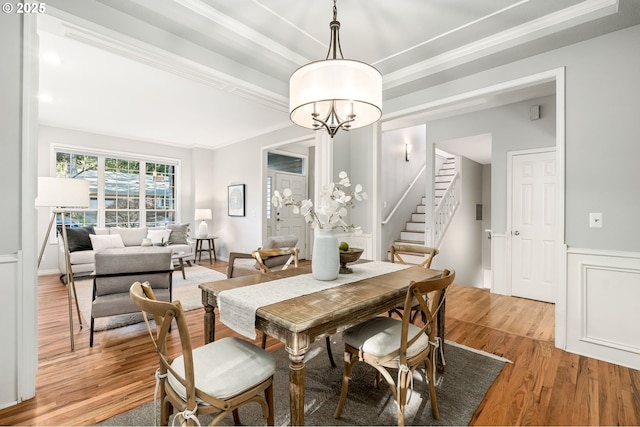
19, 334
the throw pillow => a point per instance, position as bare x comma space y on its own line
130, 236
179, 234
78, 238
159, 237
99, 242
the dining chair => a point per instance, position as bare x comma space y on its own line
398, 250
214, 379
265, 258
243, 264
389, 343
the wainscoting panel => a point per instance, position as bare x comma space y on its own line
603, 294
8, 335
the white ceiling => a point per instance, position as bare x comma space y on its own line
208, 73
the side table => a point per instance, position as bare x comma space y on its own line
211, 248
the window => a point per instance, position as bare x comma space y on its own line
269, 190
118, 196
284, 163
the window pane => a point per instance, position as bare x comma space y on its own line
122, 192
284, 163
80, 166
160, 193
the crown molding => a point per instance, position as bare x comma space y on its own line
199, 7
583, 12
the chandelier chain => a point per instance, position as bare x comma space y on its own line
334, 41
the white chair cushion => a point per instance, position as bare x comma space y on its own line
225, 368
381, 336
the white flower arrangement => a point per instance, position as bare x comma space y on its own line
332, 206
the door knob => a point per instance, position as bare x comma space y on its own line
516, 233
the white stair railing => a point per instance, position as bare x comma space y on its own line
445, 210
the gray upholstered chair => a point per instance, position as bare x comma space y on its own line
243, 264
116, 269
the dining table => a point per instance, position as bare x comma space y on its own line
293, 307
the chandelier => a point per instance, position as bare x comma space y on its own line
335, 93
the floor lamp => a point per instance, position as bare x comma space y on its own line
62, 194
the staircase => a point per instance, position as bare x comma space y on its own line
414, 232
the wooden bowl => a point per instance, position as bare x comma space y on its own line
352, 255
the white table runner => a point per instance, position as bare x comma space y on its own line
238, 306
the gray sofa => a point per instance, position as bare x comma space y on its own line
82, 246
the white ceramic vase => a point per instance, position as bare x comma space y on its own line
325, 263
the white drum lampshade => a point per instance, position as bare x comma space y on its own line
203, 215
62, 192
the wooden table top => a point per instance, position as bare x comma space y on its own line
360, 299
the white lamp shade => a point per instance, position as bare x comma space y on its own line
63, 192
203, 214
354, 87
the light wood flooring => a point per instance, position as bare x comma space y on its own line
543, 385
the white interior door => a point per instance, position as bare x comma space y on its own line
286, 221
533, 226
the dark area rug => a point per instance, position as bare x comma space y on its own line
460, 389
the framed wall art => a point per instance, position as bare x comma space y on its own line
236, 200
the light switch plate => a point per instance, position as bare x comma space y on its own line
595, 220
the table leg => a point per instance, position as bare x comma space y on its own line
182, 268
296, 389
440, 353
210, 243
209, 320
213, 245
199, 249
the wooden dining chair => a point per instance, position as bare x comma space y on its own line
263, 258
214, 379
268, 258
415, 250
389, 343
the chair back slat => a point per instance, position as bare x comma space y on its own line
163, 314
261, 255
398, 250
424, 298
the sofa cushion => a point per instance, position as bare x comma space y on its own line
158, 237
179, 234
81, 257
78, 238
130, 236
100, 242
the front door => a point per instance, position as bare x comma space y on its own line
533, 226
286, 221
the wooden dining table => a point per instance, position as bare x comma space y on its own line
299, 321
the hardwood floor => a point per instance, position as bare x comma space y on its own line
543, 385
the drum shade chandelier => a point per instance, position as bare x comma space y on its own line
336, 93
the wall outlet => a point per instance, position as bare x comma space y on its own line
595, 220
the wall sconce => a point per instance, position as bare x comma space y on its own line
407, 152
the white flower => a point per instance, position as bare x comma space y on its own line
332, 204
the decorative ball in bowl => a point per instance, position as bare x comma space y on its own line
347, 256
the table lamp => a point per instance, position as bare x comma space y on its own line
62, 194
203, 215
